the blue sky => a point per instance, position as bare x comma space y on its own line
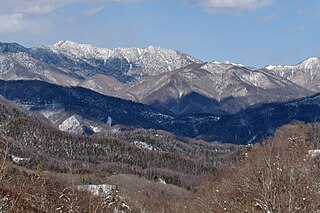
251, 32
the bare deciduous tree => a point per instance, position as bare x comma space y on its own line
278, 176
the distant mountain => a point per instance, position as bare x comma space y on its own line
56, 102
255, 123
224, 87
306, 74
7, 48
125, 64
169, 80
17, 62
82, 111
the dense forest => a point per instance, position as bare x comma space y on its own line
30, 146
41, 169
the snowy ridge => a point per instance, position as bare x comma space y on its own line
272, 67
17, 63
216, 81
130, 61
305, 74
309, 63
157, 75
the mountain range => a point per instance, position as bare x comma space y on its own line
166, 79
84, 89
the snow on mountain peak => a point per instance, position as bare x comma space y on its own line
227, 63
64, 43
306, 64
273, 67
12, 47
216, 62
67, 45
305, 74
59, 43
310, 62
234, 64
312, 59
122, 63
152, 47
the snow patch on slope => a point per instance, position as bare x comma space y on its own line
18, 160
71, 125
143, 145
96, 189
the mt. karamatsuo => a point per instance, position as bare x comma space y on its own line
189, 97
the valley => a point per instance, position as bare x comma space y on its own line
150, 129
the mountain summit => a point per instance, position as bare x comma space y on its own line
169, 80
305, 74
125, 64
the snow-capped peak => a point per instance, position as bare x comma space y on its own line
150, 47
305, 74
227, 63
273, 67
234, 64
59, 43
64, 42
311, 61
130, 63
307, 64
